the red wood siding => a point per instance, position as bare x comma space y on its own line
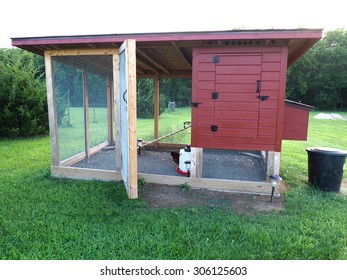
243, 121
295, 123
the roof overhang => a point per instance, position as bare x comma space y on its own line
170, 54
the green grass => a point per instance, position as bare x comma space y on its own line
169, 121
46, 218
71, 134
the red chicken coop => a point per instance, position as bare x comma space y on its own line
238, 100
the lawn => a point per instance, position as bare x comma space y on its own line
46, 218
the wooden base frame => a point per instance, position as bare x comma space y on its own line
236, 186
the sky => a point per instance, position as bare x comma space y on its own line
35, 18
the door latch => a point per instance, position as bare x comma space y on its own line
263, 97
258, 86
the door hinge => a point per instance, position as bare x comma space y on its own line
214, 128
195, 104
214, 95
216, 59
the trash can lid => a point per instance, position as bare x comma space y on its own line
328, 151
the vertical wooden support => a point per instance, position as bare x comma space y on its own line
156, 107
196, 162
281, 97
116, 106
132, 118
273, 162
109, 111
86, 112
52, 109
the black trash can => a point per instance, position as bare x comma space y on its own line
325, 168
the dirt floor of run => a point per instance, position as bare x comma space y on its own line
164, 196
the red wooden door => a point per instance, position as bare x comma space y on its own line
227, 109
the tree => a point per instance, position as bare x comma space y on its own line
178, 90
319, 78
23, 105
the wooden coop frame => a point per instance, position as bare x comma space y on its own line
156, 56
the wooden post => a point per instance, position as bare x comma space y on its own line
116, 105
273, 162
156, 107
196, 162
132, 118
86, 111
109, 111
52, 109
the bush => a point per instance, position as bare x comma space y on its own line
145, 99
23, 105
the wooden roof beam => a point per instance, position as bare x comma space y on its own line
186, 60
155, 63
150, 67
140, 71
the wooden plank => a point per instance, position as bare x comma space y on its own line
116, 106
204, 58
273, 161
238, 49
268, 104
84, 173
75, 52
166, 146
271, 66
211, 184
238, 70
250, 124
196, 162
207, 67
239, 88
110, 110
236, 115
281, 97
52, 110
206, 76
270, 85
132, 121
267, 122
204, 111
243, 97
237, 79
86, 112
229, 132
76, 158
268, 113
268, 140
156, 107
240, 59
226, 132
272, 57
206, 85
270, 76
237, 106
267, 131
235, 146
195, 94
204, 94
